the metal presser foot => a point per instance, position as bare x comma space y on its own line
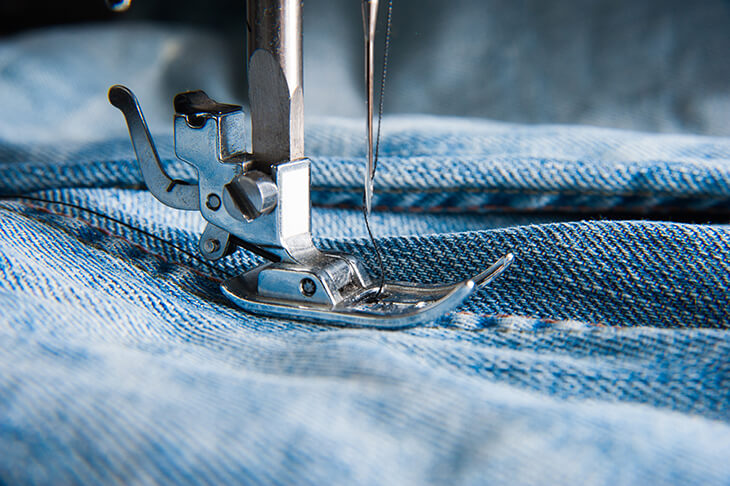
260, 200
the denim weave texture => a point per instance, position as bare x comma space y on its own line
599, 357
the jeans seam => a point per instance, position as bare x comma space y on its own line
106, 233
547, 320
128, 177
211, 278
511, 209
518, 192
217, 280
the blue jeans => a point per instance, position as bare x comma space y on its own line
600, 357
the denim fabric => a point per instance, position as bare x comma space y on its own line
600, 357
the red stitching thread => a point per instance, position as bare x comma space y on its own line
517, 191
504, 209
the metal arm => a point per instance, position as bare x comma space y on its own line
261, 200
174, 193
275, 80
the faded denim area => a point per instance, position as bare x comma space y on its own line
600, 357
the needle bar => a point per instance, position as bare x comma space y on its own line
370, 18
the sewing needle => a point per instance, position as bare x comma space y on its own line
369, 17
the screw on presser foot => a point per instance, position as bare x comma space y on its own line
260, 201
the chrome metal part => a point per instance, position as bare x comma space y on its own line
208, 136
174, 193
216, 243
250, 195
398, 306
275, 80
118, 5
261, 200
370, 19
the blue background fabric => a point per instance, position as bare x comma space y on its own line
600, 357
657, 65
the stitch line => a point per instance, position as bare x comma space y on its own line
132, 263
20, 198
197, 272
518, 191
595, 326
591, 328
29, 169
506, 209
217, 280
106, 233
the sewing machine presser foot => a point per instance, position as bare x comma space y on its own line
268, 212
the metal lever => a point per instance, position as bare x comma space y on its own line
174, 193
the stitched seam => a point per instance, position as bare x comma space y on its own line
29, 169
213, 279
592, 326
476, 208
479, 190
106, 233
140, 186
546, 320
205, 296
217, 280
565, 331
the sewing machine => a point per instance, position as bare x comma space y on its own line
260, 201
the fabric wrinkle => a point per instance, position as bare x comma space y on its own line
600, 357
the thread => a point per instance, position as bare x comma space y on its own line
365, 212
